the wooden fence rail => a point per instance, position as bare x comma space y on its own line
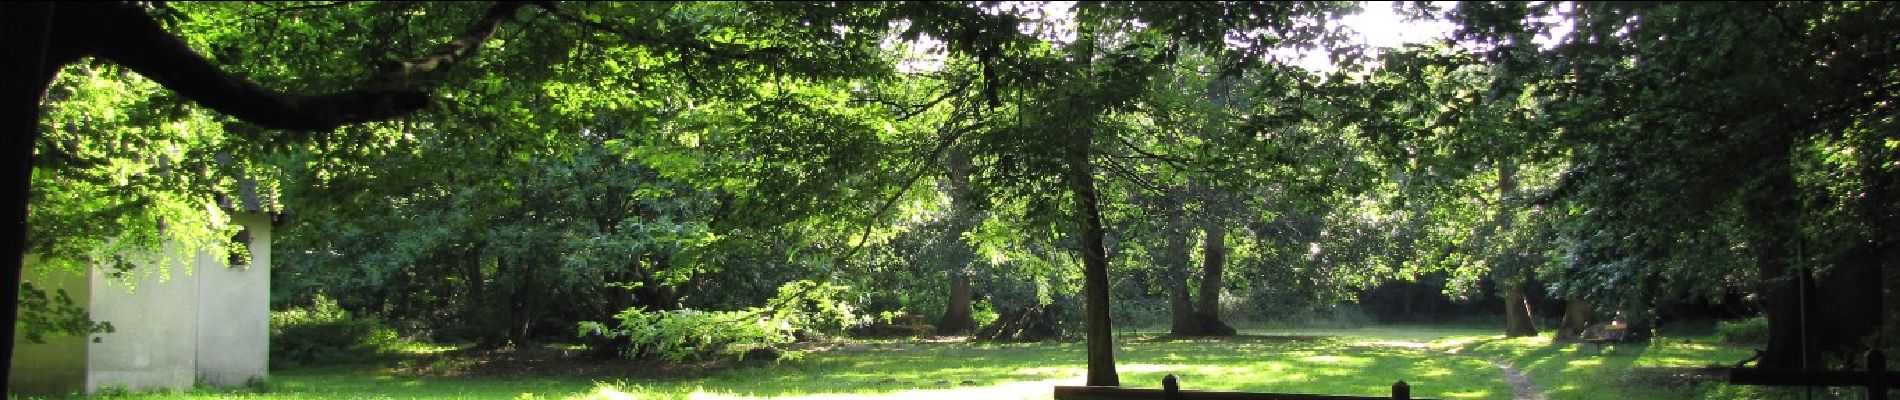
1172, 391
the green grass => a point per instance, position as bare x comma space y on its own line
1654, 370
1361, 361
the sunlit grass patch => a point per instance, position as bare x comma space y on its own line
1437, 362
1586, 371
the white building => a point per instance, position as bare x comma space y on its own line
209, 326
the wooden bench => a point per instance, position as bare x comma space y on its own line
1171, 391
911, 324
1612, 332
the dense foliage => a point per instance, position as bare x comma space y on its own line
324, 333
802, 309
668, 167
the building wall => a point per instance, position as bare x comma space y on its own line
195, 321
57, 367
234, 312
155, 328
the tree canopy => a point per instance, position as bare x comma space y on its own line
500, 172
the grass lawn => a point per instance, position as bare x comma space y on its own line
1665, 368
1438, 361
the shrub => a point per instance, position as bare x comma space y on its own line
1751, 330
324, 333
812, 309
802, 309
984, 313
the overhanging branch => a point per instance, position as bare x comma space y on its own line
124, 34
455, 51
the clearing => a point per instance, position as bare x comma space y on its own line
1438, 361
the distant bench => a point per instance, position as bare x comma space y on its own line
1600, 334
1171, 391
909, 324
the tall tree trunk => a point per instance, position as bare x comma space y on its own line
1515, 272
1576, 318
1517, 310
1174, 257
1849, 298
1080, 178
1878, 206
957, 318
957, 315
478, 312
1768, 209
28, 70
1101, 342
522, 315
1213, 264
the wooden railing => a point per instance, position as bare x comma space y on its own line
1876, 379
1172, 391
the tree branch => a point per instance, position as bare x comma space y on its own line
943, 145
455, 51
308, 7
125, 34
635, 36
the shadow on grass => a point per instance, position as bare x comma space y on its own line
1352, 363
1232, 339
1659, 369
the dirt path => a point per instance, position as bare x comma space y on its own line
1521, 387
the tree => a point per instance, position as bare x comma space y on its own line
957, 318
1696, 128
46, 36
55, 35
786, 64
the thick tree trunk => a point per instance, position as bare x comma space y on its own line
957, 318
1768, 210
1213, 265
522, 298
478, 312
29, 63
1879, 208
1515, 274
1517, 310
1576, 319
1101, 341
1848, 299
957, 315
1174, 257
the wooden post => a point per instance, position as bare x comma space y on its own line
1170, 388
1876, 375
1401, 391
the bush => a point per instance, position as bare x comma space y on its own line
324, 333
1751, 330
802, 309
983, 313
